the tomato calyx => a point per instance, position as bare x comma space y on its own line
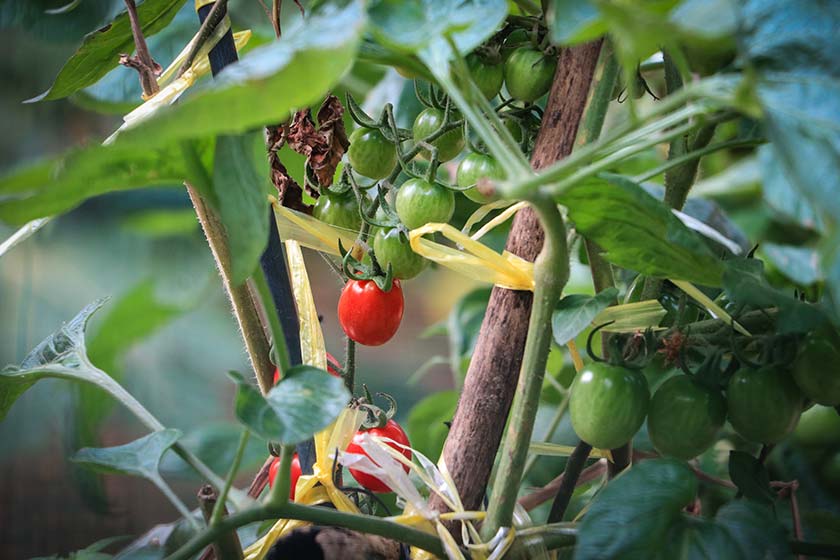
386, 124
355, 269
628, 352
375, 417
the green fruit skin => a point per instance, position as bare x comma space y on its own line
474, 167
429, 121
817, 370
488, 77
819, 426
528, 74
608, 405
764, 404
393, 248
371, 154
420, 202
340, 210
684, 418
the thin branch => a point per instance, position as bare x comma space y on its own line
574, 468
216, 15
550, 490
227, 545
143, 61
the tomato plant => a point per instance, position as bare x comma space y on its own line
684, 417
367, 314
390, 430
371, 154
673, 201
608, 404
474, 168
449, 144
764, 404
420, 202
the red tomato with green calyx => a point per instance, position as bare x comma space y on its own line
294, 474
391, 430
367, 314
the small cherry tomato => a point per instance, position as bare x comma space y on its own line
763, 404
817, 369
371, 154
475, 167
340, 210
420, 202
391, 430
367, 314
449, 144
488, 77
608, 405
294, 474
684, 417
819, 426
391, 247
529, 73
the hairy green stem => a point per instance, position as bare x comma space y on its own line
318, 515
694, 155
551, 272
219, 508
278, 338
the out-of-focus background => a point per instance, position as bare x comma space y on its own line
142, 249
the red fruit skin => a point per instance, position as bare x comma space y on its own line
295, 474
391, 430
367, 314
333, 365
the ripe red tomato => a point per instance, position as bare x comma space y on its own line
294, 474
391, 430
367, 314
333, 365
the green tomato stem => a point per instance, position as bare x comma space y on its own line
551, 272
219, 508
318, 515
279, 493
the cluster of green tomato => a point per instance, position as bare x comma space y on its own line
609, 403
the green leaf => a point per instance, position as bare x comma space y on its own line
746, 285
304, 402
425, 423
575, 312
754, 529
100, 50
424, 26
240, 189
639, 232
140, 458
800, 264
632, 515
61, 183
575, 21
782, 196
750, 476
265, 85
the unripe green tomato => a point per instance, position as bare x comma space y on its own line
515, 129
420, 202
819, 426
763, 404
817, 370
340, 210
529, 73
518, 38
449, 144
371, 154
488, 77
475, 167
391, 247
608, 405
830, 472
684, 417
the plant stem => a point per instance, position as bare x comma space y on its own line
208, 26
574, 466
551, 272
350, 365
279, 493
278, 337
146, 65
176, 501
694, 155
318, 515
227, 546
219, 508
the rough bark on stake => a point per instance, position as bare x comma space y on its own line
494, 369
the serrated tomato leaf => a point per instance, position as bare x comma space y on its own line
304, 402
100, 50
639, 232
575, 312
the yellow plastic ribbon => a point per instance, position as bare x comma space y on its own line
318, 487
311, 232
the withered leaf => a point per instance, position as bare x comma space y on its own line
323, 145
